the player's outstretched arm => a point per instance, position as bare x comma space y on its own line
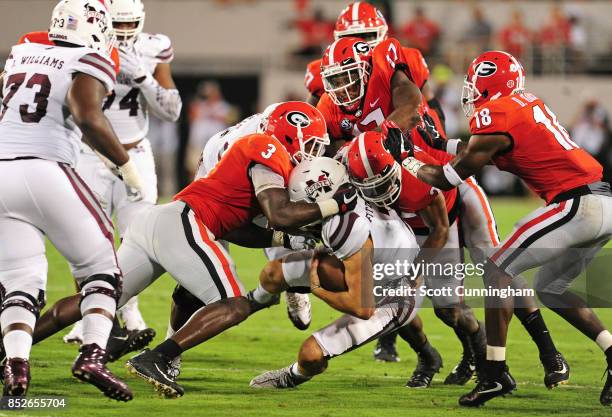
358, 299
478, 153
85, 103
406, 98
435, 217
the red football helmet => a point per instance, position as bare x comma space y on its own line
362, 20
297, 125
491, 75
345, 70
373, 171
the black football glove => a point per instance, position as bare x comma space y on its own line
430, 133
399, 145
346, 197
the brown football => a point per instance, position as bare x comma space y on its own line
331, 273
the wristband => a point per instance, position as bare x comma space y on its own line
451, 175
452, 145
412, 165
328, 207
278, 238
130, 175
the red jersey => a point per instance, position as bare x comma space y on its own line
377, 104
542, 153
225, 200
313, 80
43, 39
417, 195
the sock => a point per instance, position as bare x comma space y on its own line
261, 295
608, 353
388, 338
465, 341
17, 343
420, 347
535, 326
170, 332
169, 348
295, 371
604, 340
494, 369
96, 326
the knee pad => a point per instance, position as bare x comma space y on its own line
186, 300
91, 285
24, 300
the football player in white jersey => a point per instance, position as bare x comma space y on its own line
363, 239
50, 95
144, 85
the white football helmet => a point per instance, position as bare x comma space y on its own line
128, 11
316, 179
84, 23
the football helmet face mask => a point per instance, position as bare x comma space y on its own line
364, 21
127, 12
84, 23
345, 70
299, 127
316, 179
373, 171
491, 75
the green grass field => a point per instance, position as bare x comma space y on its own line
216, 374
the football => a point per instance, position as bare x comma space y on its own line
331, 273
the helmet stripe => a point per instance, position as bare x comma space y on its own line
364, 155
355, 11
331, 52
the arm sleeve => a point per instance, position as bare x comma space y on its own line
264, 178
345, 234
97, 66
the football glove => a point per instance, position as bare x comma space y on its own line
346, 198
132, 66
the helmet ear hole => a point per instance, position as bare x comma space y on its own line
289, 139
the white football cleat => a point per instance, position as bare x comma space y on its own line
298, 309
76, 334
280, 379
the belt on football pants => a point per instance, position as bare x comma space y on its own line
598, 188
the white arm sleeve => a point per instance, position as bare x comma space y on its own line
164, 103
263, 178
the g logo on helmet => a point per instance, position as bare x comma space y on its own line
362, 47
485, 69
297, 118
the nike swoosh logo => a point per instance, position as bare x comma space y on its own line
350, 199
372, 104
498, 387
121, 337
169, 380
562, 371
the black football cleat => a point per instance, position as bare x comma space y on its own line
385, 350
429, 364
256, 305
123, 341
90, 366
606, 393
16, 377
487, 389
463, 371
556, 370
155, 368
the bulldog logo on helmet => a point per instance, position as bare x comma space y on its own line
297, 118
322, 185
485, 69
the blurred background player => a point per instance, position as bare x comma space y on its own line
44, 196
144, 84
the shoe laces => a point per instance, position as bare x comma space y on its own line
297, 301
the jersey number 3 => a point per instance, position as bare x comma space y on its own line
41, 98
270, 152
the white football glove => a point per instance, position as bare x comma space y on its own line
134, 184
131, 65
295, 242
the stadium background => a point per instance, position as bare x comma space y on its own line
256, 50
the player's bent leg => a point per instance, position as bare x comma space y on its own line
429, 361
271, 284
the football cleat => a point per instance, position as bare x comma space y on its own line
153, 367
75, 335
463, 371
298, 309
16, 377
606, 394
90, 367
385, 350
429, 364
256, 305
489, 388
174, 368
556, 370
123, 341
280, 379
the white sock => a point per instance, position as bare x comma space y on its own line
17, 343
97, 327
295, 370
496, 353
261, 295
604, 340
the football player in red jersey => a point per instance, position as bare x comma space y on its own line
520, 134
182, 237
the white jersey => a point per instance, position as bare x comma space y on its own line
34, 119
126, 107
392, 239
219, 143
